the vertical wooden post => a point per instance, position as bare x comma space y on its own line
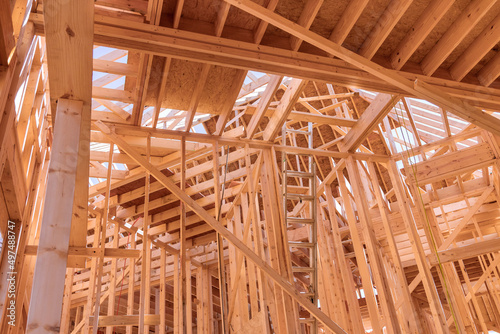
146, 254
220, 244
423, 266
413, 322
359, 252
65, 317
162, 296
131, 283
48, 282
189, 305
102, 236
182, 250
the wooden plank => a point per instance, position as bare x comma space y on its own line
481, 45
423, 267
113, 67
306, 19
227, 107
91, 252
372, 116
465, 220
360, 256
431, 16
452, 164
420, 89
490, 71
253, 143
69, 30
284, 108
216, 225
7, 42
466, 252
462, 25
48, 281
347, 20
224, 52
265, 101
321, 119
195, 97
127, 320
386, 22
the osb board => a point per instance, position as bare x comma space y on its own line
217, 89
181, 82
201, 10
328, 17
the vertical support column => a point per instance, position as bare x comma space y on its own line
182, 251
189, 304
65, 317
131, 284
69, 32
162, 295
418, 251
360, 256
144, 302
376, 265
48, 282
220, 244
412, 325
345, 268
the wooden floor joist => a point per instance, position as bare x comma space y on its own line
232, 167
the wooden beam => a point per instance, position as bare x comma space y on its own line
195, 97
347, 20
265, 101
372, 116
225, 52
7, 42
490, 71
455, 34
113, 67
416, 244
306, 19
69, 30
127, 320
284, 108
466, 252
216, 225
228, 105
92, 252
254, 143
481, 45
465, 220
386, 22
420, 90
50, 270
431, 16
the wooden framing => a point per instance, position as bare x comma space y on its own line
141, 150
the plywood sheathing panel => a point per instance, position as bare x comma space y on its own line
201, 10
182, 78
328, 16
